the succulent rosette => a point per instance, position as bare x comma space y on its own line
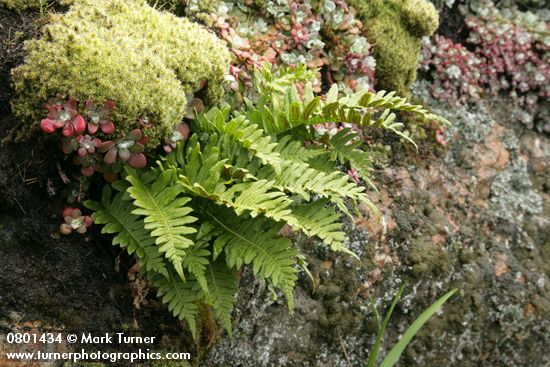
129, 149
74, 221
180, 133
63, 114
98, 116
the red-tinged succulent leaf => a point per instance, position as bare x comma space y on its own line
67, 211
144, 121
105, 146
124, 154
65, 229
49, 125
137, 160
79, 124
92, 128
87, 170
81, 229
70, 106
144, 140
135, 135
76, 213
68, 129
108, 127
137, 148
82, 152
88, 221
53, 106
108, 106
184, 130
110, 157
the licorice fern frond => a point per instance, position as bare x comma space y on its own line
319, 219
293, 150
223, 286
344, 147
116, 216
240, 130
256, 241
270, 197
257, 197
181, 297
166, 214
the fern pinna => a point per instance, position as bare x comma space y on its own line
219, 201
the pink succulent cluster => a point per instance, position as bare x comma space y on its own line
456, 70
74, 221
180, 133
316, 33
93, 154
506, 57
64, 114
515, 59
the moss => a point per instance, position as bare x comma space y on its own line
429, 258
420, 16
124, 50
396, 28
21, 5
169, 5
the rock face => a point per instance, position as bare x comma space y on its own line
473, 215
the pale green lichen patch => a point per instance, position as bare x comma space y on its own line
126, 51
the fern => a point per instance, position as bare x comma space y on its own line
257, 241
219, 201
165, 215
223, 286
117, 217
181, 297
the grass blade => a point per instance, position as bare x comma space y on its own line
394, 354
382, 329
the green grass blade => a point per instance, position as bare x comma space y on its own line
394, 354
382, 329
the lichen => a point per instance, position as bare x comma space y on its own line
145, 60
396, 28
512, 193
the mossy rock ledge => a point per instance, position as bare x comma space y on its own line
143, 59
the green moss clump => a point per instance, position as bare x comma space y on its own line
169, 5
396, 28
126, 51
21, 5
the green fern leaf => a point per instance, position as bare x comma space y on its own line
318, 219
116, 217
257, 240
181, 297
195, 261
223, 286
165, 214
258, 198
